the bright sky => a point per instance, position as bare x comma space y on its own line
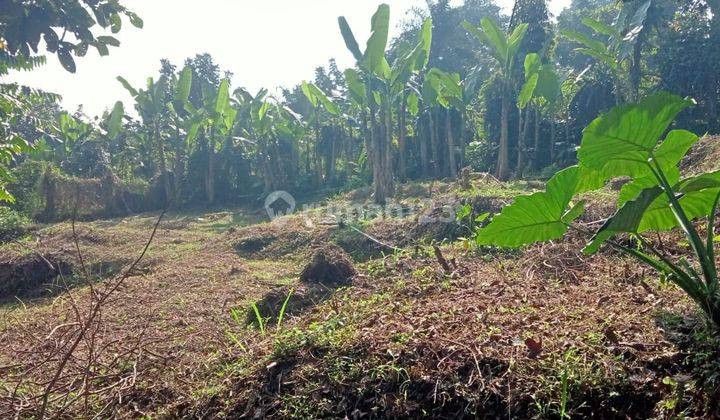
266, 43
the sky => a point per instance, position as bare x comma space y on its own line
266, 43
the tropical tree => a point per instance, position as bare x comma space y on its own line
319, 101
618, 46
23, 24
504, 49
409, 63
219, 122
540, 91
373, 66
184, 122
151, 104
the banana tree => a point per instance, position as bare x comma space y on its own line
617, 45
70, 134
373, 65
359, 100
429, 93
184, 121
540, 91
453, 93
151, 105
218, 122
504, 49
409, 64
627, 142
320, 101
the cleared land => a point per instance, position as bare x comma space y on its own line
540, 332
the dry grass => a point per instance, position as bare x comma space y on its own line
495, 337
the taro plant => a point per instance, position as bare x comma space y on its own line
628, 142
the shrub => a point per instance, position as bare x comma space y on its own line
12, 224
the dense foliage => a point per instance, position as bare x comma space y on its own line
459, 86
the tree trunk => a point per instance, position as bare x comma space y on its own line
452, 164
308, 155
367, 134
318, 159
178, 167
433, 142
388, 161
330, 162
349, 142
424, 159
167, 185
536, 141
211, 172
521, 144
619, 98
551, 150
463, 138
503, 164
376, 153
568, 140
714, 42
401, 140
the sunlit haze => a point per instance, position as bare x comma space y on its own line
266, 43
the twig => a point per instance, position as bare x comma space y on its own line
441, 260
94, 311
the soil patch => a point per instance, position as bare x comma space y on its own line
30, 274
299, 299
329, 266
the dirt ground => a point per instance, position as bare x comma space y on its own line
545, 332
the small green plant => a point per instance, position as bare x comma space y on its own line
281, 315
625, 142
564, 392
259, 318
466, 217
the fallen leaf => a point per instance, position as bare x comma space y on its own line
534, 346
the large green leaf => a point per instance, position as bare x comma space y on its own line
316, 96
223, 96
548, 86
632, 189
600, 27
115, 120
376, 44
532, 64
184, 84
305, 87
538, 217
355, 86
589, 43
527, 91
495, 37
514, 41
674, 147
696, 197
626, 220
128, 86
620, 142
413, 104
424, 45
349, 38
